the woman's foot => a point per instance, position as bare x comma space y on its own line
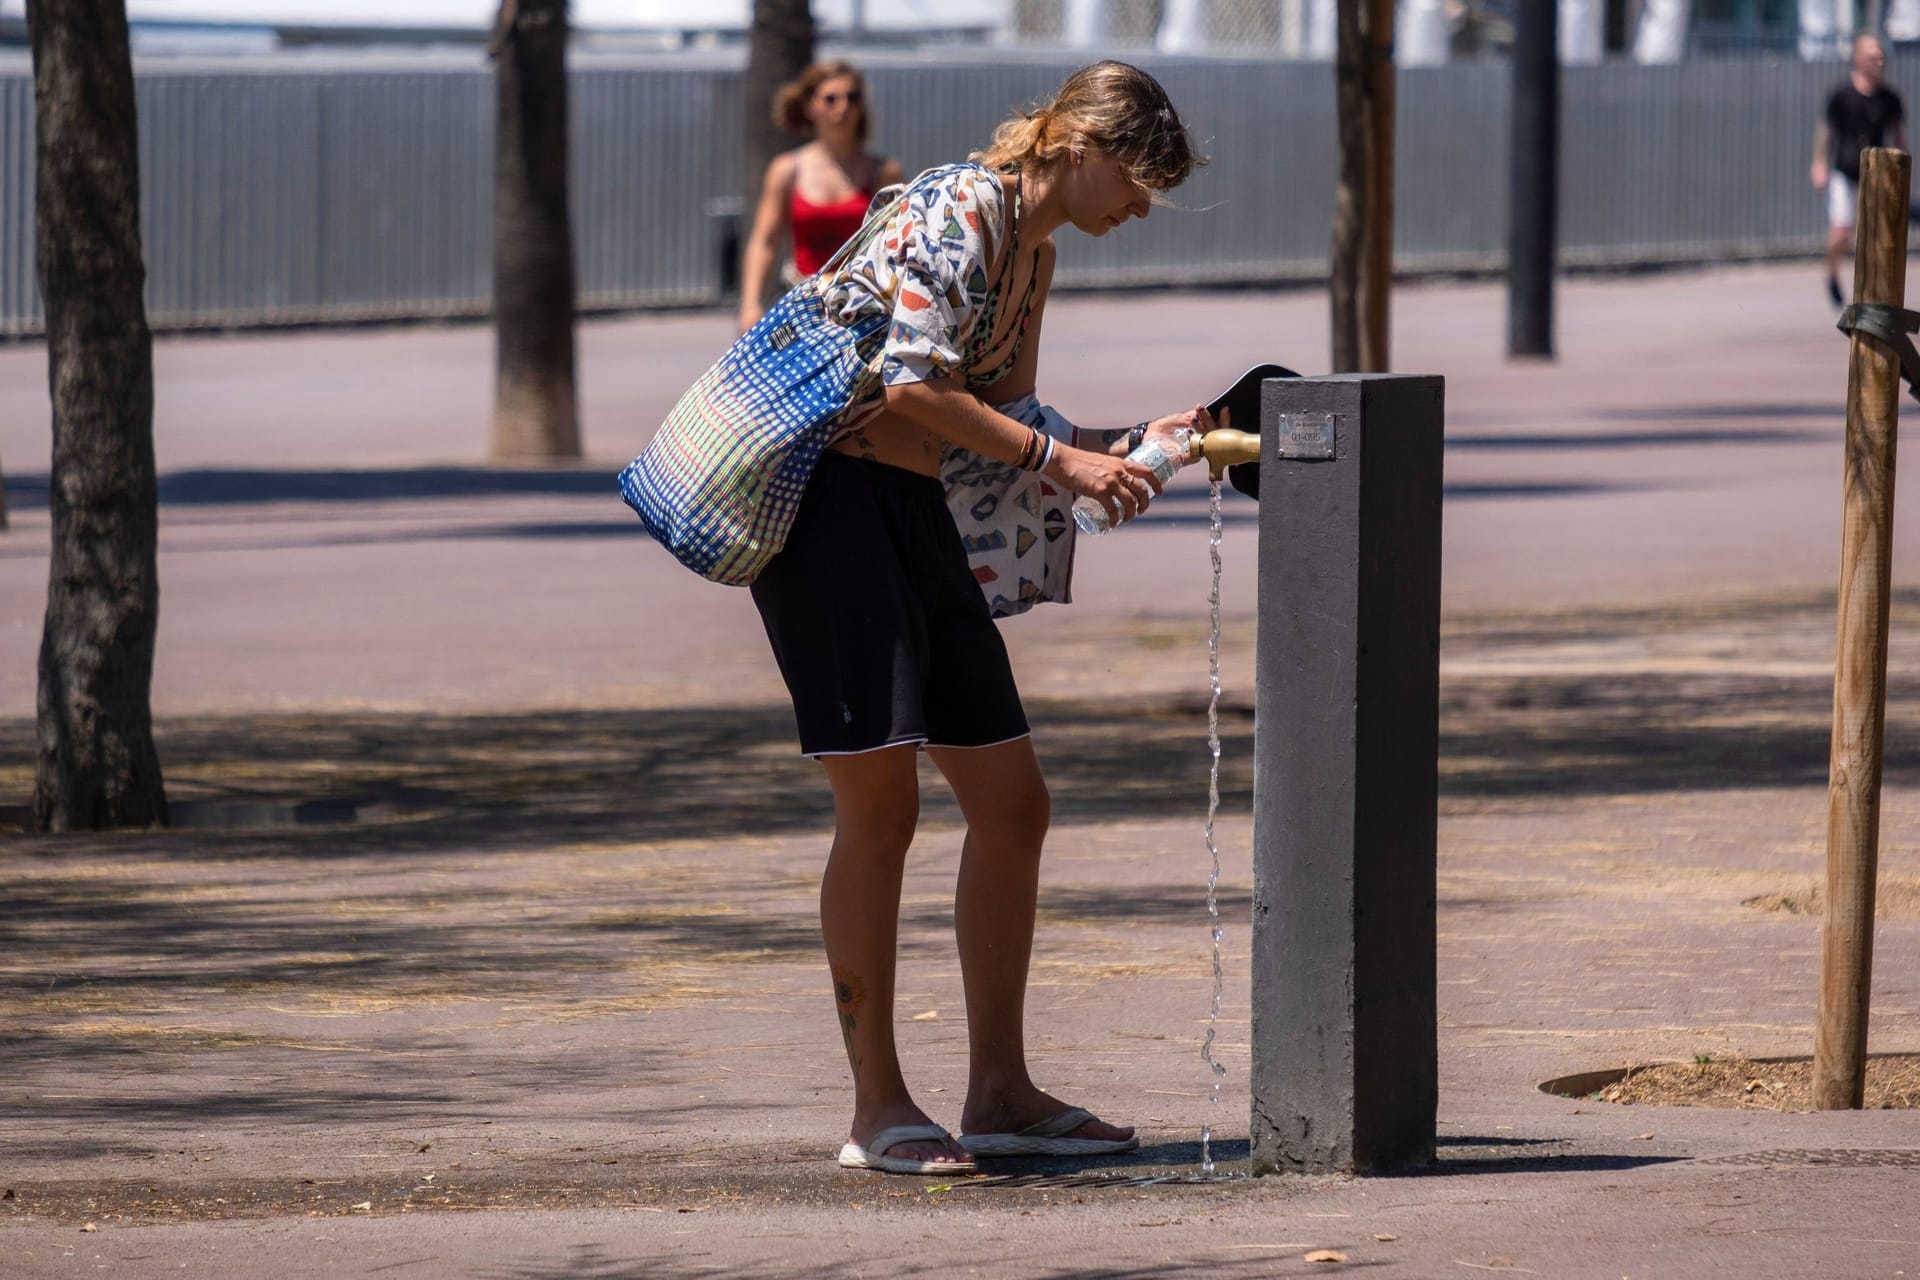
1012, 1112
932, 1150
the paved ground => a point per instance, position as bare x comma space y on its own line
565, 971
324, 504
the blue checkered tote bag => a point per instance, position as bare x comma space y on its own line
720, 484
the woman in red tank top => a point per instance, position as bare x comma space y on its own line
816, 194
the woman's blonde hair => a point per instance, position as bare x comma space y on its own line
1110, 105
791, 100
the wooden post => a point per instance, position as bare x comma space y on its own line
1860, 658
1360, 260
1347, 252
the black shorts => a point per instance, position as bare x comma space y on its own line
879, 628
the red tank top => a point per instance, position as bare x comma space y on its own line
820, 229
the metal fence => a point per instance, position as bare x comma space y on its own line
329, 193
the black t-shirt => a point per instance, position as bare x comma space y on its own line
1859, 121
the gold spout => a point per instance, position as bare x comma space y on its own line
1225, 447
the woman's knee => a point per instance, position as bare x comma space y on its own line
876, 800
1001, 790
1021, 810
882, 829
878, 825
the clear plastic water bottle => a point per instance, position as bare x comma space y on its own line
1162, 455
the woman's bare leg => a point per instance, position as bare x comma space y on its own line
876, 804
1005, 802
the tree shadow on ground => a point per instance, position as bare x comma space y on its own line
540, 780
1513, 737
1558, 441
597, 1262
534, 781
1580, 1162
460, 890
211, 486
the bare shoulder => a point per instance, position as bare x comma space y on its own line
782, 168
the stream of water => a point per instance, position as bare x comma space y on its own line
1213, 808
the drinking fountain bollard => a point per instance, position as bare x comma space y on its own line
1346, 736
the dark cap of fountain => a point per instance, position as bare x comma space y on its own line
1242, 402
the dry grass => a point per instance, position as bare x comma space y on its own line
1895, 898
1893, 1082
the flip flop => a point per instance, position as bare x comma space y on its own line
874, 1154
1047, 1139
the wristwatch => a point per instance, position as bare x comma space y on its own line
1136, 436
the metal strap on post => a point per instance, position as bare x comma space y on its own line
1890, 326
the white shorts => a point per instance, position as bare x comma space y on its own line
1840, 207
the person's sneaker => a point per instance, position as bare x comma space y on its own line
1833, 292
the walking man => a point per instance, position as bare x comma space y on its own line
1862, 113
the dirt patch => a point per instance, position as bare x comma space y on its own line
1893, 1083
1895, 898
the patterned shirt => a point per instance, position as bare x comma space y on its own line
926, 268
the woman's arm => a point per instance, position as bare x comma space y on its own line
763, 243
946, 409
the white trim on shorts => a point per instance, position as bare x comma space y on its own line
917, 742
980, 746
1842, 208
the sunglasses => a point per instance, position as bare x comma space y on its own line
835, 99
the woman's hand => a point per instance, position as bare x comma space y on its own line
1123, 488
1196, 420
750, 313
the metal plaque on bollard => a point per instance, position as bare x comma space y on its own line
1303, 435
1346, 740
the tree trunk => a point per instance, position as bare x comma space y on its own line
1350, 197
535, 415
779, 48
97, 764
1376, 263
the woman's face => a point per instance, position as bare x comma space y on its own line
835, 106
1100, 195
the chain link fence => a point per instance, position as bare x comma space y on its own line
1304, 28
1221, 26
279, 191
